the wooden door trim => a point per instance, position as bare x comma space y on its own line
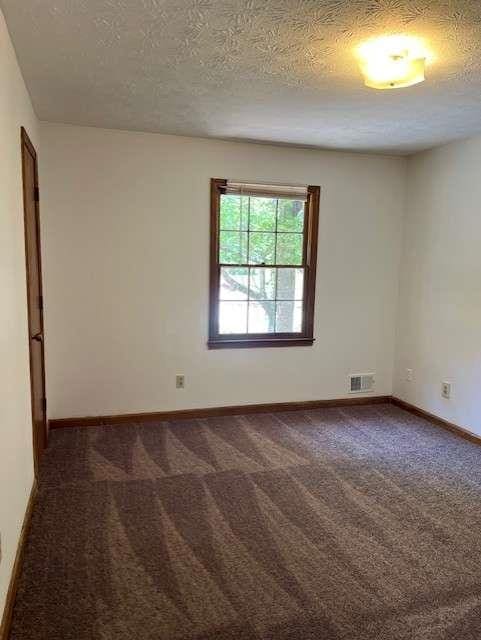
26, 144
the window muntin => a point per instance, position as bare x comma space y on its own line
262, 267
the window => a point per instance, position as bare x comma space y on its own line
263, 264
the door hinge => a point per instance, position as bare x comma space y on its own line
44, 404
36, 194
40, 302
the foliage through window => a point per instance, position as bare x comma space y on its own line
263, 263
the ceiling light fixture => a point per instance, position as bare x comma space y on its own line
392, 62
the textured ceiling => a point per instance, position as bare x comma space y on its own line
269, 70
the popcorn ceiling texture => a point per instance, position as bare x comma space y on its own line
269, 70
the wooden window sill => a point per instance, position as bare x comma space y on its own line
259, 343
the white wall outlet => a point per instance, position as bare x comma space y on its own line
180, 381
409, 375
446, 389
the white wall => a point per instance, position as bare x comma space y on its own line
126, 243
16, 458
439, 328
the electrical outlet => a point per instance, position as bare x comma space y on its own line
446, 390
180, 381
409, 375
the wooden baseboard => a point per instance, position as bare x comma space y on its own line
212, 412
450, 426
191, 414
17, 566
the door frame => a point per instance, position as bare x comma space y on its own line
39, 439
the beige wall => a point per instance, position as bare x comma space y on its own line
439, 328
16, 463
126, 231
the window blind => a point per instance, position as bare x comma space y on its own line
265, 190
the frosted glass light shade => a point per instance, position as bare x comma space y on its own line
392, 62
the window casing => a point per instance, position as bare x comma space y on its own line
263, 256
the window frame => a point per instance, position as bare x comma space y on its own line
309, 264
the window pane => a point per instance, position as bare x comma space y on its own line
233, 247
288, 317
262, 248
289, 248
233, 212
290, 284
262, 284
262, 215
290, 216
233, 283
262, 317
232, 317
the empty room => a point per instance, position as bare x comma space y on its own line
240, 335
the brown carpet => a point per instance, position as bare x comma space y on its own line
360, 524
